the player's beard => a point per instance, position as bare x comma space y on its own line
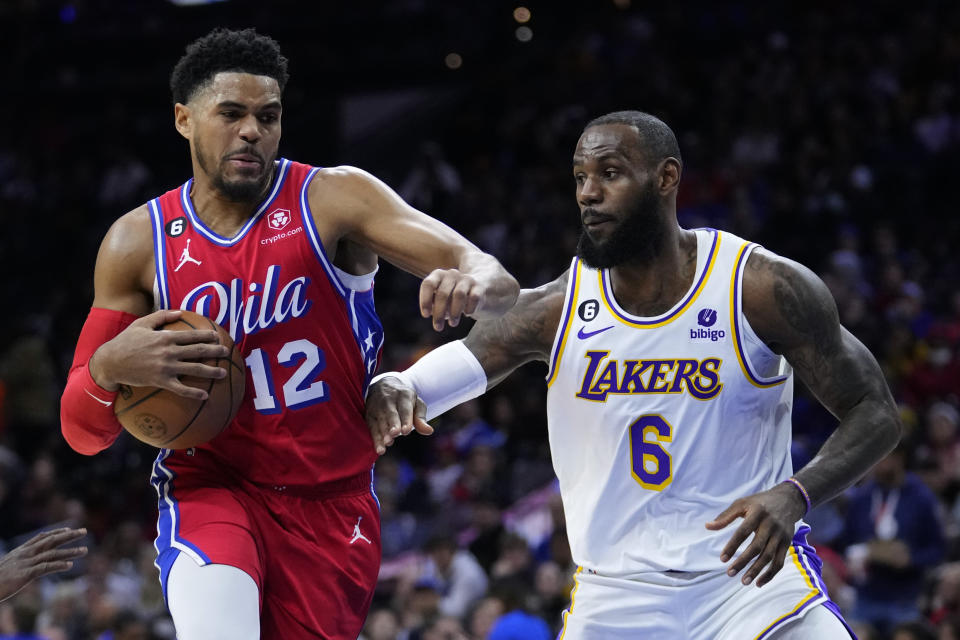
638, 239
237, 190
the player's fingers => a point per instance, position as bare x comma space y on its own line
748, 526
194, 336
46, 568
779, 556
186, 391
753, 549
726, 516
200, 351
766, 547
404, 405
200, 370
427, 290
420, 419
55, 538
458, 299
157, 319
441, 300
57, 554
474, 300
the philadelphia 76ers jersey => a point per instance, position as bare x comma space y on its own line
657, 424
310, 337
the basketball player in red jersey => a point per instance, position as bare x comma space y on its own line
272, 529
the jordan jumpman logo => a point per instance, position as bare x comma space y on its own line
185, 257
357, 535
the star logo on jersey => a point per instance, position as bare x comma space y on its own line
278, 219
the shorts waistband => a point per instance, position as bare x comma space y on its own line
359, 483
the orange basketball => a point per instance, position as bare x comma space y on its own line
164, 419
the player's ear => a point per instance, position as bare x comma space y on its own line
669, 174
182, 120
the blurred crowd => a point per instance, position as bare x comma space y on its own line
831, 135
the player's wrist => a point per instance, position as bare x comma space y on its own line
99, 374
800, 495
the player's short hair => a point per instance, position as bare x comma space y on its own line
220, 50
656, 138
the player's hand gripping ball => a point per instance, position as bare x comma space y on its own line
166, 420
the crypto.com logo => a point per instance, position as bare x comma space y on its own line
278, 219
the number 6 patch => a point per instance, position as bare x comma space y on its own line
176, 227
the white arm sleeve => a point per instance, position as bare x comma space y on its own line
447, 376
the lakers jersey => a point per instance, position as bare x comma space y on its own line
658, 423
308, 333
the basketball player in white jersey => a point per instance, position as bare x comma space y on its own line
671, 355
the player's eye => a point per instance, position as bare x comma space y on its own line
268, 118
610, 173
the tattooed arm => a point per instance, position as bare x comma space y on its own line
500, 345
523, 334
794, 313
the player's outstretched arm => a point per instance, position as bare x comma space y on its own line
119, 344
400, 402
458, 278
39, 556
792, 310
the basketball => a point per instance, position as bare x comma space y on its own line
166, 420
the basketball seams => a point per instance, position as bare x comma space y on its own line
137, 402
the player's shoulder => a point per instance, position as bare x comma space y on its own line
130, 235
782, 298
341, 179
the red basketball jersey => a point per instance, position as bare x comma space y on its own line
311, 343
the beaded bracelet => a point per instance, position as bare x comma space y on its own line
803, 492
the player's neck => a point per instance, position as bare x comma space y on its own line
654, 287
222, 215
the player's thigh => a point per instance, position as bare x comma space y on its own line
212, 602
819, 624
324, 558
605, 608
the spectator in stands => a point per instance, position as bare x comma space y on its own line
893, 535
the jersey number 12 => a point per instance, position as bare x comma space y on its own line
304, 387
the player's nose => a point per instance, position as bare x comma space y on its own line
590, 192
249, 128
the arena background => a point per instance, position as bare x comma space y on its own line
829, 132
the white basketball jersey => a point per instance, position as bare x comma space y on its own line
657, 424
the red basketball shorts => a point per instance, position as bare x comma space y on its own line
315, 555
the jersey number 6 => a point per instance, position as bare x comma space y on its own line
650, 464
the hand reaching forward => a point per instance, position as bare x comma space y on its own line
394, 410
771, 517
38, 556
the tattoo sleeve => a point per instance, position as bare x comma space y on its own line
523, 334
795, 314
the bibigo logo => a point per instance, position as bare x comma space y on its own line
278, 219
706, 319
